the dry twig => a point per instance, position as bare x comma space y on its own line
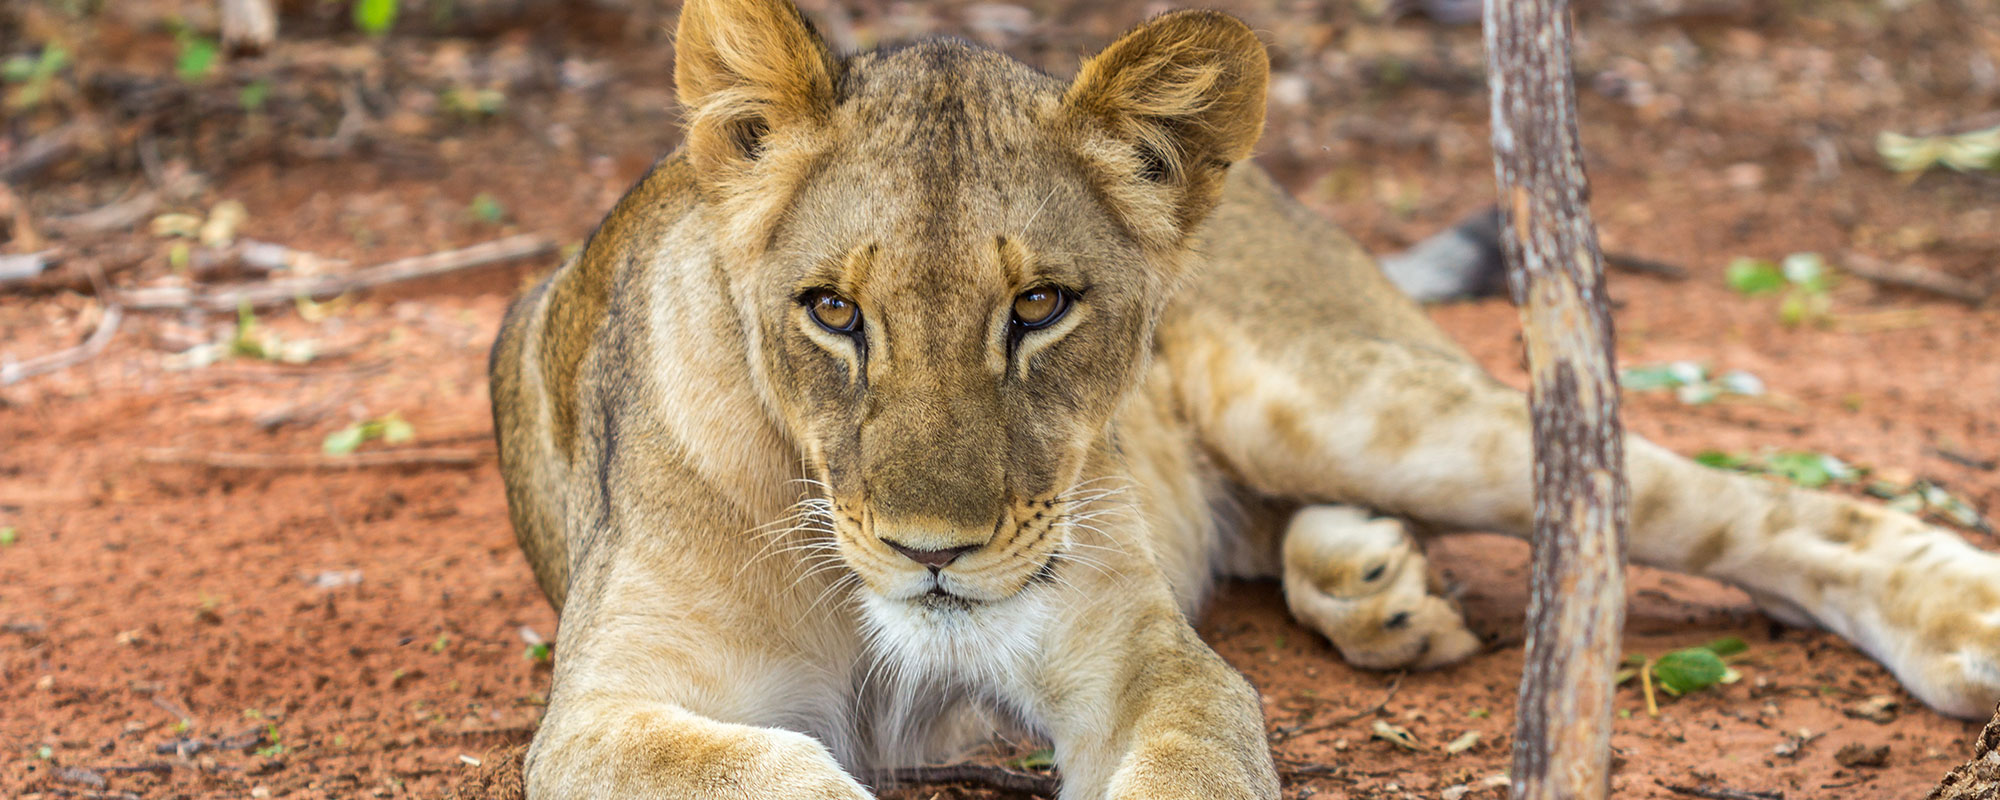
1914, 276
278, 292
40, 152
116, 215
991, 777
64, 359
1365, 713
415, 457
1646, 266
23, 267
1718, 794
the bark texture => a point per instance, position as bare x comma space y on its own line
1577, 602
1979, 777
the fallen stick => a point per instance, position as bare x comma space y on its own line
64, 359
1000, 778
1357, 716
39, 152
117, 215
1646, 266
278, 292
1718, 794
1912, 276
431, 457
22, 267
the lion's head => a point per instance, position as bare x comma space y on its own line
950, 265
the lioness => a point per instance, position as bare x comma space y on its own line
920, 392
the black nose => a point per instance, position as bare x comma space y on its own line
935, 559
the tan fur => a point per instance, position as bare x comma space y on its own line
712, 487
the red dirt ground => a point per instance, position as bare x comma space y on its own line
363, 627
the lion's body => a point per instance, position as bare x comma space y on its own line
690, 464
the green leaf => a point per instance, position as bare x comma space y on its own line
1810, 470
343, 441
1040, 759
1807, 271
1726, 647
1683, 671
197, 56
374, 17
1700, 394
9, 535
1719, 460
17, 69
397, 431
253, 96
1754, 276
1649, 377
487, 209
539, 652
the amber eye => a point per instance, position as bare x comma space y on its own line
833, 312
1040, 307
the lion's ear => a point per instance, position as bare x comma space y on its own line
1184, 94
748, 73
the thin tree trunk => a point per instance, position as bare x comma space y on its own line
1577, 604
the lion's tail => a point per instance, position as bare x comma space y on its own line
1461, 263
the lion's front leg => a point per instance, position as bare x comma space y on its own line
672, 683
614, 746
1139, 707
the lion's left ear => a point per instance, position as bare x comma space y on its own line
1184, 94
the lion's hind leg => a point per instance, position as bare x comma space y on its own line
1363, 583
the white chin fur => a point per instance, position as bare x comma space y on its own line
981, 646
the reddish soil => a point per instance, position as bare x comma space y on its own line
359, 633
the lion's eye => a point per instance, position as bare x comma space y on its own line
833, 312
1040, 307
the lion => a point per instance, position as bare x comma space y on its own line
920, 395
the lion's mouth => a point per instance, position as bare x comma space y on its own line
941, 598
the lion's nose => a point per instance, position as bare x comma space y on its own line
935, 559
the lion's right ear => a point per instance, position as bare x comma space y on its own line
751, 74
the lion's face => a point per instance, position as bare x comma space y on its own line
949, 319
950, 267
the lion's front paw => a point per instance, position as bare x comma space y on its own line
1364, 584
1943, 637
1178, 766
639, 755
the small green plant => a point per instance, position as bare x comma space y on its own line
276, 747
1805, 468
35, 75
9, 535
1039, 759
1683, 671
253, 341
540, 653
470, 103
390, 428
1690, 381
443, 641
486, 208
1816, 470
375, 17
253, 95
196, 55
1965, 152
1803, 279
